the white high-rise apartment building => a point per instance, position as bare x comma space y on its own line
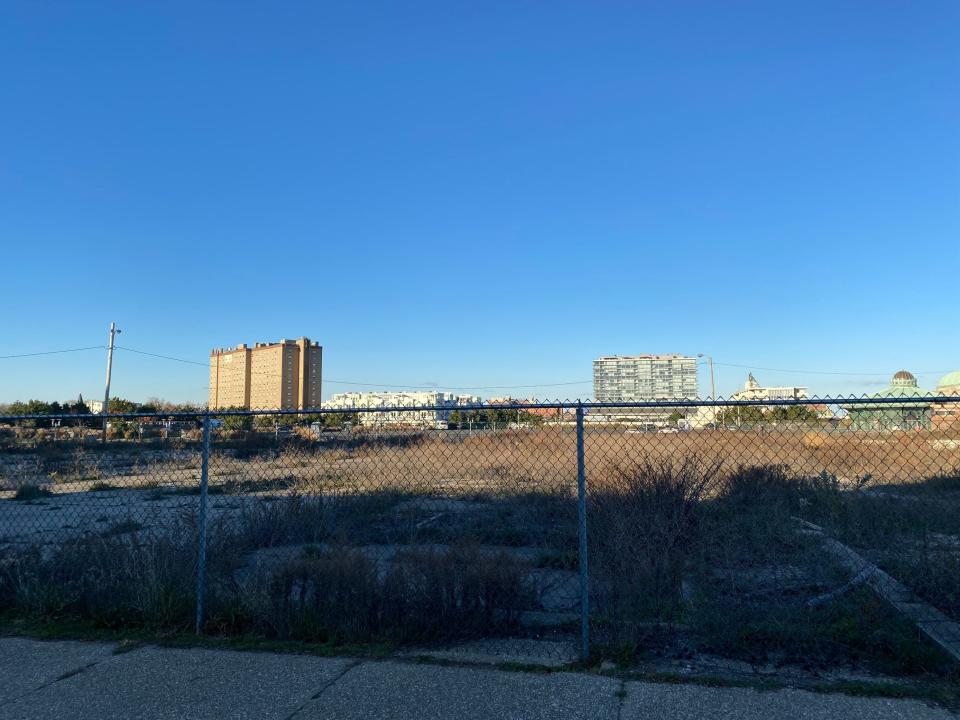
644, 377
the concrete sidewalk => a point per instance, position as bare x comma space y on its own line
40, 679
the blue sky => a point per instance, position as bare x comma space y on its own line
480, 194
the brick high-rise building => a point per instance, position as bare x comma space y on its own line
268, 376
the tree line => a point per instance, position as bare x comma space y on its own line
267, 422
80, 407
491, 417
757, 415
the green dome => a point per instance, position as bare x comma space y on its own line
949, 380
903, 385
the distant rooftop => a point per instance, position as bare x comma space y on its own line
260, 345
648, 356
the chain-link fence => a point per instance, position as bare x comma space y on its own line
820, 533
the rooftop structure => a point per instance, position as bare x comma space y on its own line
752, 390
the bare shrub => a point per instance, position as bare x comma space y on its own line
643, 526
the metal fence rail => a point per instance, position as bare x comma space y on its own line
821, 531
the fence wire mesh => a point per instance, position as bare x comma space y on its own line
823, 534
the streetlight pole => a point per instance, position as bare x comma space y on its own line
106, 393
713, 387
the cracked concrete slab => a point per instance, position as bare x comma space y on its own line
389, 690
87, 680
154, 683
30, 664
694, 702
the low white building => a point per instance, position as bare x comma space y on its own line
94, 406
752, 390
436, 405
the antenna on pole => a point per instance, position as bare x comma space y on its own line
106, 393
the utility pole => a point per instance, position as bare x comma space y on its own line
106, 393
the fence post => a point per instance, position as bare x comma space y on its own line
202, 522
582, 533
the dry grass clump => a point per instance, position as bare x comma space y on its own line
341, 594
287, 520
115, 580
296, 519
327, 596
458, 591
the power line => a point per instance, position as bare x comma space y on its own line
458, 387
519, 387
52, 352
384, 385
822, 372
156, 355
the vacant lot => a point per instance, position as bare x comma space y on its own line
697, 546
536, 458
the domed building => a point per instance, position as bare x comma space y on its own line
947, 413
949, 384
909, 414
